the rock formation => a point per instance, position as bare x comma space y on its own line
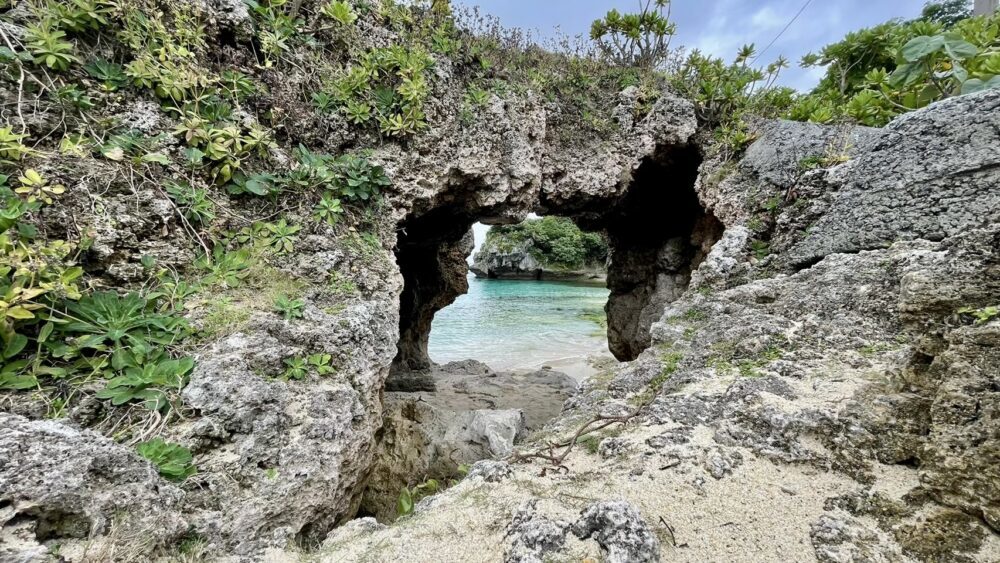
826, 401
810, 356
551, 248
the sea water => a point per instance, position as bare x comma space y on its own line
521, 325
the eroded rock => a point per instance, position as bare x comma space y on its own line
81, 491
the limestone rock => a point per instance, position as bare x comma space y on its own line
929, 174
532, 536
621, 532
60, 485
490, 471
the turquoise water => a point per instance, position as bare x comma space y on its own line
520, 324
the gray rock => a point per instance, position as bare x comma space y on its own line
287, 459
491, 471
621, 532
533, 536
846, 540
929, 174
60, 485
720, 462
613, 447
353, 530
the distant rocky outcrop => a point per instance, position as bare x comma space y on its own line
551, 248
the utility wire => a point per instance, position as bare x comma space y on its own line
782, 32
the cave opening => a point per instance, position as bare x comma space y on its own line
438, 417
657, 231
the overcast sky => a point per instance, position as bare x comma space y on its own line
720, 27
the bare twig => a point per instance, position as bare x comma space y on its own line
598, 422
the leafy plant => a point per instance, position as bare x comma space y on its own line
281, 236
79, 16
725, 95
875, 74
111, 75
11, 145
359, 179
276, 28
947, 12
173, 461
408, 497
48, 45
352, 177
71, 95
641, 39
981, 316
760, 249
257, 184
194, 202
227, 268
476, 96
340, 11
323, 101
289, 308
389, 85
148, 383
35, 188
295, 368
328, 209
237, 85
320, 363
105, 318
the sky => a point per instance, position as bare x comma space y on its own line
720, 27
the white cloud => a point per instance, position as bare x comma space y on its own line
766, 19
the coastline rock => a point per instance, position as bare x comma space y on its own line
520, 264
81, 491
468, 418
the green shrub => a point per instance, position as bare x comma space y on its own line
340, 11
876, 74
173, 461
289, 308
223, 267
104, 319
556, 241
148, 383
193, 202
49, 47
388, 85
641, 39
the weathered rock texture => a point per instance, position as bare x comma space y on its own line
59, 484
816, 394
636, 186
472, 414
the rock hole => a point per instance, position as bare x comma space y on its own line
658, 233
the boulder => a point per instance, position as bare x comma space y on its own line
75, 490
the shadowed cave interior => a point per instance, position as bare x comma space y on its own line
657, 230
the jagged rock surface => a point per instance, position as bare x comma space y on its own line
473, 414
66, 485
830, 385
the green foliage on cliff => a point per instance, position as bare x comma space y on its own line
554, 241
875, 74
213, 129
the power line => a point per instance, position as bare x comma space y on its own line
782, 32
